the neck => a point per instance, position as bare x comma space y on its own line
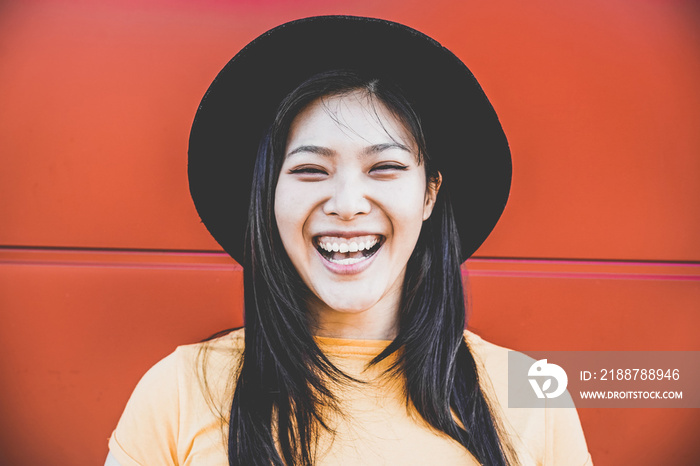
360, 326
380, 322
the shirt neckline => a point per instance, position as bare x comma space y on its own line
351, 346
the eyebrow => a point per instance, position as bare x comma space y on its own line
326, 152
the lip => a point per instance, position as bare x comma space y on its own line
350, 269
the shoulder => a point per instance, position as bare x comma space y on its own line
491, 357
187, 388
191, 369
547, 436
189, 366
492, 364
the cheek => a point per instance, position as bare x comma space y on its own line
291, 214
406, 205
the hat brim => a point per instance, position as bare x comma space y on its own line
463, 135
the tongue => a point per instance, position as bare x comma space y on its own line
347, 255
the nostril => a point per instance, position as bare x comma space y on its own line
348, 200
347, 210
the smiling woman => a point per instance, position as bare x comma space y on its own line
350, 203
323, 158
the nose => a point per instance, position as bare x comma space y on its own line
348, 199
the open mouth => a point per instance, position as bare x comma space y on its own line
348, 251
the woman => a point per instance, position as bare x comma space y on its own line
380, 168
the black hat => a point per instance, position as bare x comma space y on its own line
463, 135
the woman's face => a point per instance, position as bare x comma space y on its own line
350, 202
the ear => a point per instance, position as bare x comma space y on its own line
431, 193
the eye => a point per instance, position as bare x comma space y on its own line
308, 172
388, 167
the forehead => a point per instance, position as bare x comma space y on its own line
354, 116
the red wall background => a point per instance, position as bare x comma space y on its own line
105, 268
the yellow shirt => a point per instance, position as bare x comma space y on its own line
172, 419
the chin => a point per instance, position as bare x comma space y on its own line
348, 306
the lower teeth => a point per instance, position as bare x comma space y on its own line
348, 261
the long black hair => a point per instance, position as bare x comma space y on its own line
282, 388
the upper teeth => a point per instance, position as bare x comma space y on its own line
352, 246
